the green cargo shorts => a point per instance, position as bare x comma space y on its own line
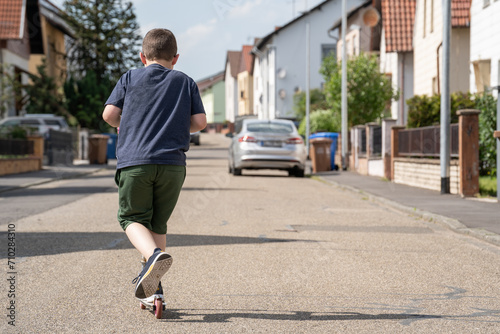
148, 194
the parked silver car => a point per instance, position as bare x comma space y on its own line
40, 123
267, 144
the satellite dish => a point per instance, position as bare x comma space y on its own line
371, 17
282, 73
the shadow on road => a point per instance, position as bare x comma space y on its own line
218, 316
52, 243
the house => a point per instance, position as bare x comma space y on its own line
280, 59
484, 47
363, 30
232, 68
213, 96
396, 52
30, 31
245, 82
427, 46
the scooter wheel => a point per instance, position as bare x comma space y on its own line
158, 308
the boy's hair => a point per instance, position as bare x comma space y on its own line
159, 44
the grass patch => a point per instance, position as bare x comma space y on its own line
488, 186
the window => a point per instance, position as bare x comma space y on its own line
482, 74
425, 16
327, 50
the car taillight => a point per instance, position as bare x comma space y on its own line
247, 139
294, 141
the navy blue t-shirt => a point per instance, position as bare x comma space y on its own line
157, 104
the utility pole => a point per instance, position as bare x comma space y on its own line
344, 132
445, 101
308, 97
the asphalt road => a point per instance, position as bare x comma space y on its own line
258, 253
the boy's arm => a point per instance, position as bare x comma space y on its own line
198, 122
112, 115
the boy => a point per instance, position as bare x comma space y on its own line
156, 108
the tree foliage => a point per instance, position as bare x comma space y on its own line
321, 121
368, 90
105, 46
85, 98
106, 37
317, 102
43, 94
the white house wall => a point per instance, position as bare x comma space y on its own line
484, 32
426, 45
389, 65
288, 47
231, 88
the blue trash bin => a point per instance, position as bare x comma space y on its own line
111, 150
333, 148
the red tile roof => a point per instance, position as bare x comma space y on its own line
460, 13
246, 61
233, 57
398, 18
11, 12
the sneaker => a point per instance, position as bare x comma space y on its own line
150, 276
157, 294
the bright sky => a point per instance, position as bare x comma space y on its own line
207, 29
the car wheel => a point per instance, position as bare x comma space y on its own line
299, 173
236, 171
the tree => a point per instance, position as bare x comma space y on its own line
317, 102
106, 39
43, 95
368, 90
85, 98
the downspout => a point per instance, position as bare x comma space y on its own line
437, 59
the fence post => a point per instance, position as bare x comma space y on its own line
395, 146
468, 151
387, 125
38, 144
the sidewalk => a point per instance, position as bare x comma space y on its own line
49, 174
469, 216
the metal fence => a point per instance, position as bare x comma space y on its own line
59, 148
16, 147
425, 142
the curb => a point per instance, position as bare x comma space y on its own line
450, 223
49, 180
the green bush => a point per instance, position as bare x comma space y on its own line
487, 125
426, 111
321, 120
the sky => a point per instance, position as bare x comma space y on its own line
207, 29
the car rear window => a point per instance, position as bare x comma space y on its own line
270, 127
30, 122
52, 122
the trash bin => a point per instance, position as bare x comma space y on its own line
334, 136
111, 148
98, 146
320, 154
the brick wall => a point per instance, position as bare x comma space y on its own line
425, 173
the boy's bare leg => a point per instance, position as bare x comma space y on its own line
160, 240
144, 240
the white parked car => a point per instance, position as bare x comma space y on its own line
267, 144
40, 122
